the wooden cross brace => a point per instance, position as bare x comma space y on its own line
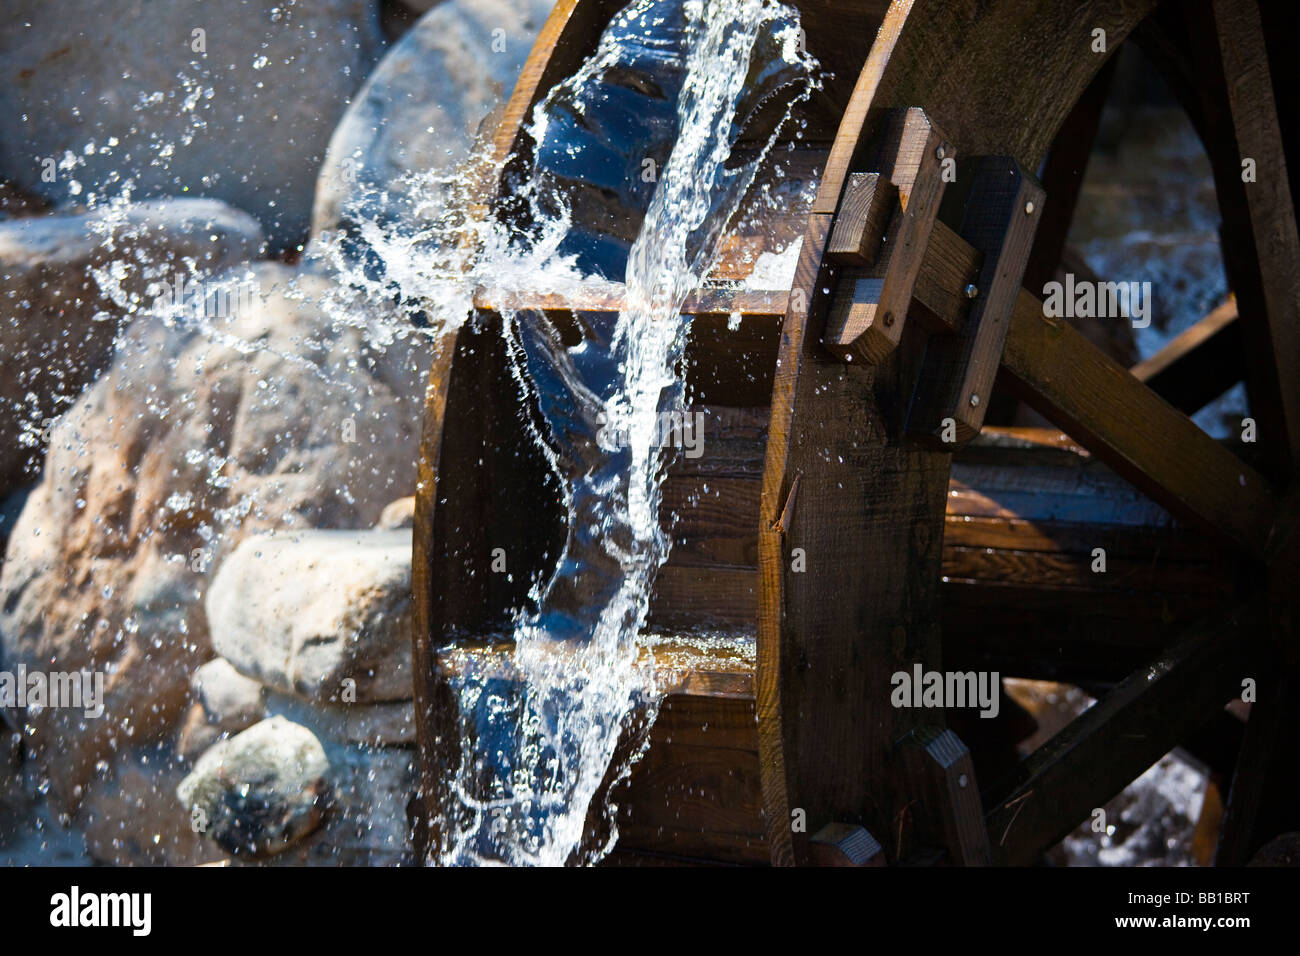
882, 234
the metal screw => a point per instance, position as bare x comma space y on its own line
974, 401
972, 290
889, 320
1029, 208
939, 154
961, 781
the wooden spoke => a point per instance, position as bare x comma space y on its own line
1261, 245
1112, 414
1199, 364
1255, 811
1265, 790
940, 769
1063, 173
1117, 418
1114, 741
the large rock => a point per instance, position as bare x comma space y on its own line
65, 283
285, 415
420, 110
261, 791
117, 90
306, 613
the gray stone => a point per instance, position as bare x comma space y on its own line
261, 791
66, 283
420, 110
284, 415
306, 613
230, 700
113, 90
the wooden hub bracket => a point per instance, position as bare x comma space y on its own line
1000, 217
867, 313
881, 237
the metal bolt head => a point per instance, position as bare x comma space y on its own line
939, 153
1029, 208
971, 290
974, 401
889, 320
962, 781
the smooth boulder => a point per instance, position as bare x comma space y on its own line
231, 99
325, 615
230, 700
261, 791
395, 153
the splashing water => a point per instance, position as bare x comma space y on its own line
539, 744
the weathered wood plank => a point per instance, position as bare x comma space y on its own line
939, 768
830, 634
860, 223
1263, 243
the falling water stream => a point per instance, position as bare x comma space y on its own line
643, 133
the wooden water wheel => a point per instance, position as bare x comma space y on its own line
855, 517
